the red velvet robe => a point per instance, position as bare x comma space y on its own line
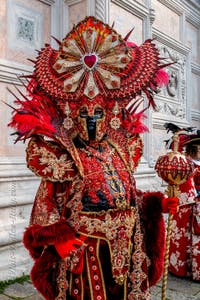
124, 234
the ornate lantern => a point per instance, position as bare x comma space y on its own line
174, 168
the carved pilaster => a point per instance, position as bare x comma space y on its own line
152, 15
100, 7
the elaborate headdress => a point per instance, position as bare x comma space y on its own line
93, 63
188, 136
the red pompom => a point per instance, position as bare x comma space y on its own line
133, 123
170, 205
162, 78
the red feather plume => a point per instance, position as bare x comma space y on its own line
133, 122
36, 114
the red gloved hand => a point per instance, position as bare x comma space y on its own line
170, 205
73, 253
65, 248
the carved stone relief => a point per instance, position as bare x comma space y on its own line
172, 98
172, 87
152, 15
25, 30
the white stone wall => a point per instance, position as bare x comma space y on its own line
26, 26
175, 25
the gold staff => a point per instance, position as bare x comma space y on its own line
174, 168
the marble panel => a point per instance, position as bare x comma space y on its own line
166, 20
193, 41
28, 28
158, 144
3, 28
119, 16
7, 147
195, 92
77, 12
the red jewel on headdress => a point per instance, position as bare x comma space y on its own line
68, 87
90, 60
114, 83
91, 93
57, 66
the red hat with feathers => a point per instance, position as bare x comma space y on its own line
92, 60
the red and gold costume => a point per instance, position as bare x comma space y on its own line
92, 234
185, 241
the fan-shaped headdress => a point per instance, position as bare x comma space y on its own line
93, 59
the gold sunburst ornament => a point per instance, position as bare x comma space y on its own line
92, 53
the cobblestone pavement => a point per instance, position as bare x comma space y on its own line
177, 289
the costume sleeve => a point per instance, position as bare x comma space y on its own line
154, 232
37, 237
135, 146
47, 226
49, 160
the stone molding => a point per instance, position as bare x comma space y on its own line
16, 172
48, 2
152, 15
195, 68
15, 168
170, 42
183, 6
192, 14
195, 115
72, 2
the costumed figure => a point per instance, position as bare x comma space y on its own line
92, 234
184, 257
